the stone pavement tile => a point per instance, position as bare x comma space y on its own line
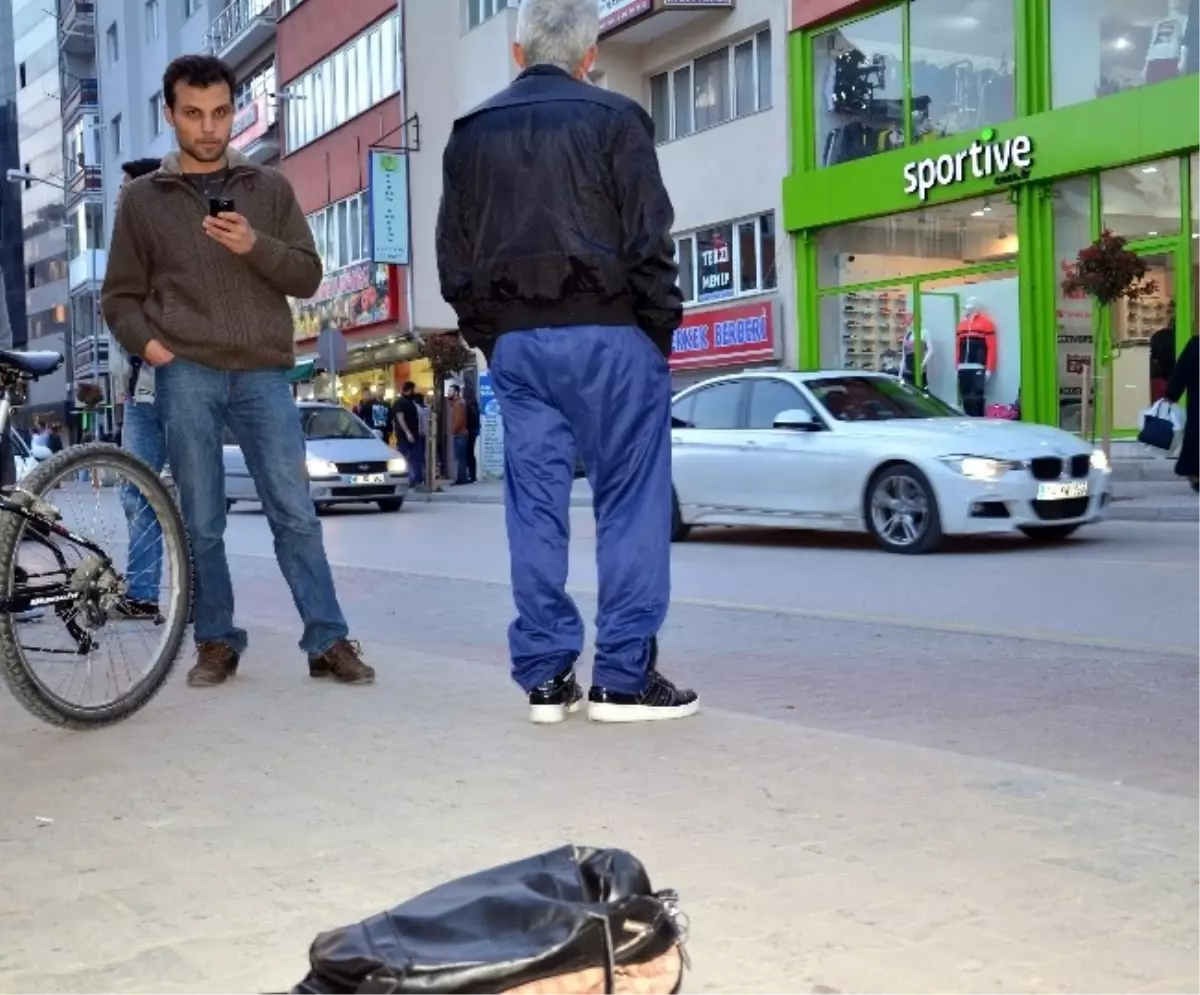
232, 826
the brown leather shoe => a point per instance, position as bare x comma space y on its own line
343, 662
215, 664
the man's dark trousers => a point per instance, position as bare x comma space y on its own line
604, 392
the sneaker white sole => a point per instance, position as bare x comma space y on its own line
601, 711
548, 715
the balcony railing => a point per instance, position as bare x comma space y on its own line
84, 95
76, 16
241, 17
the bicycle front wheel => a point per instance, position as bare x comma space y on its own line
97, 606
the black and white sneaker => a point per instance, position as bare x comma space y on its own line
551, 701
660, 700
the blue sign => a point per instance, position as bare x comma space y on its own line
389, 206
491, 430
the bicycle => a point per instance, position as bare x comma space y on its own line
89, 597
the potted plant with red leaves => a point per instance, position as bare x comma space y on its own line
1106, 271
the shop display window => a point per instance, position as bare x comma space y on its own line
959, 69
727, 260
865, 329
1142, 201
944, 237
1100, 47
1074, 327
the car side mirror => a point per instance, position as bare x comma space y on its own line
796, 419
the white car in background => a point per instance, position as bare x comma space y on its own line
348, 463
852, 451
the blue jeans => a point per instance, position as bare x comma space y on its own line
605, 393
414, 453
196, 403
142, 435
461, 442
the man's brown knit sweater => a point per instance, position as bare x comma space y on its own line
167, 280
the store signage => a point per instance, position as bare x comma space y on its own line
250, 123
388, 199
1008, 161
491, 430
714, 256
354, 296
730, 336
616, 12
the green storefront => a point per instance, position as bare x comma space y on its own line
952, 156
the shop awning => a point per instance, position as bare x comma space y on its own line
302, 372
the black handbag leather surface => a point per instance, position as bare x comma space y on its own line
545, 916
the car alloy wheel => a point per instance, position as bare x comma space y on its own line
902, 513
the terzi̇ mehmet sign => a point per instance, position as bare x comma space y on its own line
1007, 161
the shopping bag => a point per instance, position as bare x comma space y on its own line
1159, 424
573, 921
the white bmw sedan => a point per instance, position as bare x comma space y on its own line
850, 451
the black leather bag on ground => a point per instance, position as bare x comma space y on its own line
574, 920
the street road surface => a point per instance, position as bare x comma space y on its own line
975, 771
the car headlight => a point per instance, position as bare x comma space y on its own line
1099, 460
979, 467
321, 467
397, 464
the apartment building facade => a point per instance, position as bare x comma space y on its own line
712, 74
12, 255
341, 73
135, 41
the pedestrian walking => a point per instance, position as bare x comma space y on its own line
554, 248
205, 252
55, 441
459, 435
1186, 378
473, 424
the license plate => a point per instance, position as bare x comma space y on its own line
369, 478
1062, 492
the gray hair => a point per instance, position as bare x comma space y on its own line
557, 32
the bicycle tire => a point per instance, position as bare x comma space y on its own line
14, 670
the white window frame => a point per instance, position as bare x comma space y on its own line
477, 12
156, 114
112, 38
361, 74
762, 101
190, 7
153, 24
691, 296
327, 232
115, 129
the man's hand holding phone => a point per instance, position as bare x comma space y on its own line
158, 354
226, 226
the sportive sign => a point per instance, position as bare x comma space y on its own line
1008, 160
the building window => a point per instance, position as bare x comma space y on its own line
358, 76
21, 76
190, 7
289, 5
156, 114
1098, 47
341, 232
727, 260
115, 130
479, 11
731, 82
152, 26
961, 67
112, 44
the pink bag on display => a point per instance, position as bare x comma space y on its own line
1005, 412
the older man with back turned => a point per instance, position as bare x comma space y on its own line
555, 250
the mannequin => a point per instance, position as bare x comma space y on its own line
1167, 55
975, 358
908, 366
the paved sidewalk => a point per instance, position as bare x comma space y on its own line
1157, 501
200, 846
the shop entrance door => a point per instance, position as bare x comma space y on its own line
1142, 349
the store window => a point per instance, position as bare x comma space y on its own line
727, 260
960, 61
1074, 329
1100, 47
1142, 201
731, 82
945, 237
866, 329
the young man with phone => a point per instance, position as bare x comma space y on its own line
205, 253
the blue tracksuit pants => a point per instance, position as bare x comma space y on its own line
604, 393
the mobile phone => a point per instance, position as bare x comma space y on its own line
219, 205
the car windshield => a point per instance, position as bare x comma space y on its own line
332, 423
877, 399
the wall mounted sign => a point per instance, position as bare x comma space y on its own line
616, 12
730, 336
250, 123
388, 198
1005, 160
354, 296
